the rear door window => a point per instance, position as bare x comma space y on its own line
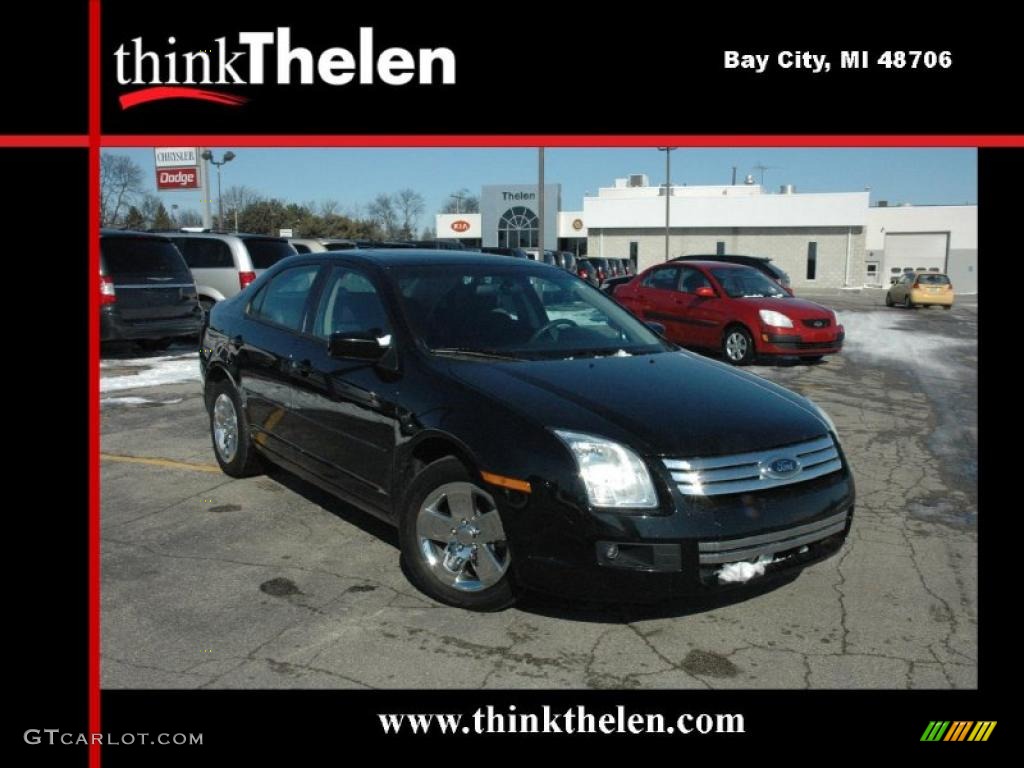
663, 278
205, 253
283, 301
266, 253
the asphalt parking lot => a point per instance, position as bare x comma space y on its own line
209, 582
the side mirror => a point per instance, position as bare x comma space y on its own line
658, 328
706, 292
369, 345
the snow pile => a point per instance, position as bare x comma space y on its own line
157, 371
890, 337
136, 401
744, 571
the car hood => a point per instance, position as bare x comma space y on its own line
671, 404
799, 308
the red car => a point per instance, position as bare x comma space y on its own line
732, 308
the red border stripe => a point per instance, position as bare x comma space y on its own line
569, 140
41, 140
94, 380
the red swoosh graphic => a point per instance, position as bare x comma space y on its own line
157, 93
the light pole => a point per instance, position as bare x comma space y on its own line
540, 203
227, 158
668, 190
458, 202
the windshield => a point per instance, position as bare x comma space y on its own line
744, 282
517, 312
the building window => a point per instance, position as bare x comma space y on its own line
812, 260
720, 248
634, 251
519, 227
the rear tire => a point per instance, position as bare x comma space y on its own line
468, 569
907, 302
888, 299
738, 345
947, 306
229, 430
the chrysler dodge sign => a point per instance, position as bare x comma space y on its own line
177, 178
177, 167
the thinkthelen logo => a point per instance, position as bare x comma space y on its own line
270, 57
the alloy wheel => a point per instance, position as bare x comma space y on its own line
225, 427
736, 346
461, 538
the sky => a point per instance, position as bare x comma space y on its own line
354, 176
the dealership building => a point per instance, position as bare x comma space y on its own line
822, 239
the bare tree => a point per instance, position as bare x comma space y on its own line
410, 207
461, 202
238, 197
383, 213
120, 185
189, 218
328, 208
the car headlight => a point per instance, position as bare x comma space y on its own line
836, 316
823, 416
614, 476
776, 319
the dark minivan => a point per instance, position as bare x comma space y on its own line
521, 429
147, 293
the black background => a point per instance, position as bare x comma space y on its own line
573, 75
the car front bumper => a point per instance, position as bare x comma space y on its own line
563, 550
823, 342
115, 328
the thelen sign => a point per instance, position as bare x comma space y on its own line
177, 178
460, 225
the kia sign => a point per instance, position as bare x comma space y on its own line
177, 178
460, 225
176, 157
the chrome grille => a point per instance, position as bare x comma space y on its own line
746, 472
752, 547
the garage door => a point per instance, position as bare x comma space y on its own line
918, 250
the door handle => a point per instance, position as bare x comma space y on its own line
302, 367
237, 341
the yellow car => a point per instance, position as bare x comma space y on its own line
920, 289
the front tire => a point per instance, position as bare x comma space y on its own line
229, 430
907, 302
812, 358
738, 345
452, 539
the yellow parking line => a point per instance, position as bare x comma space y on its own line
168, 463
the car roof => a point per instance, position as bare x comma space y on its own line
711, 263
133, 233
724, 257
412, 257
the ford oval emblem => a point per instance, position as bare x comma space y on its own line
782, 467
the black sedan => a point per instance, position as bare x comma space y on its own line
520, 428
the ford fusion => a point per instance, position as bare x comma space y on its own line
521, 429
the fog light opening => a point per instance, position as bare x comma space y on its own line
611, 551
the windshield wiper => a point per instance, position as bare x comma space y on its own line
482, 354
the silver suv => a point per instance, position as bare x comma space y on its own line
223, 264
